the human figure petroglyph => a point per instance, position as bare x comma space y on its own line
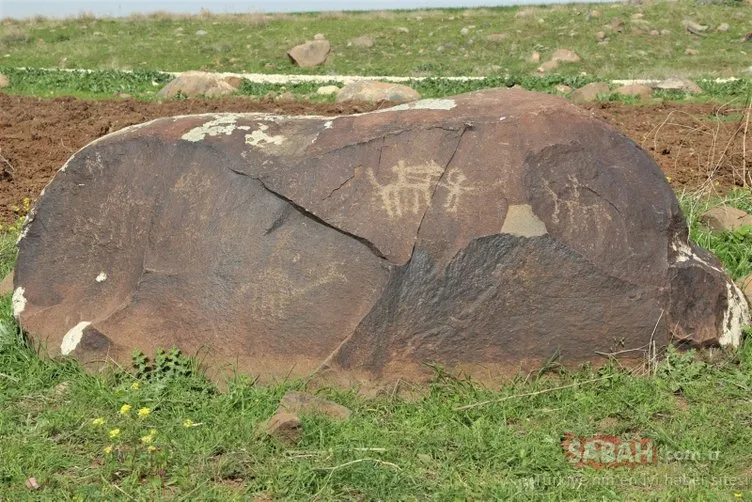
455, 186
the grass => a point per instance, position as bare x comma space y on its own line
195, 442
409, 43
144, 85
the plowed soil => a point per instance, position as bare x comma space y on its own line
697, 146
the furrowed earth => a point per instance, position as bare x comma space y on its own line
691, 143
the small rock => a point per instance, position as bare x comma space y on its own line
327, 90
654, 33
601, 36
284, 426
723, 27
124, 95
319, 36
617, 25
639, 90
377, 92
548, 66
694, 28
595, 13
691, 52
309, 54
637, 15
563, 89
464, 31
496, 37
565, 56
201, 33
745, 284
664, 32
534, 57
402, 29
364, 42
32, 484
590, 92
4, 82
286, 97
61, 389
196, 83
235, 82
425, 458
300, 402
679, 84
6, 286
440, 48
725, 219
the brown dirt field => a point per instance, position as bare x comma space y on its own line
691, 143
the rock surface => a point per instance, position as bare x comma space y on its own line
197, 83
284, 426
300, 403
476, 231
309, 54
725, 218
377, 92
590, 92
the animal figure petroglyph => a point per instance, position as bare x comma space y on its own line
277, 291
411, 191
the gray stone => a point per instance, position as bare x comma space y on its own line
371, 91
309, 54
725, 219
590, 92
364, 42
679, 84
192, 84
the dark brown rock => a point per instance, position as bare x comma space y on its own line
284, 426
474, 231
300, 403
309, 54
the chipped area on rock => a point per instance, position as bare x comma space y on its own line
735, 317
684, 253
18, 301
101, 277
328, 124
224, 124
523, 222
411, 191
73, 337
259, 138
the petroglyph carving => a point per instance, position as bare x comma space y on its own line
411, 191
454, 183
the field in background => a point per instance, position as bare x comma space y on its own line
647, 40
65, 434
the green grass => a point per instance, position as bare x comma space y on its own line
104, 84
410, 446
433, 46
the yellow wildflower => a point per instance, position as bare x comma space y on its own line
738, 495
108, 449
153, 432
187, 422
152, 448
136, 385
142, 412
114, 433
147, 439
98, 421
125, 409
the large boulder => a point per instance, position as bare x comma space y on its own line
311, 53
485, 232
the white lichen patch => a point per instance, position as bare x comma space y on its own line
259, 138
101, 277
73, 337
523, 222
328, 124
18, 301
735, 317
224, 124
